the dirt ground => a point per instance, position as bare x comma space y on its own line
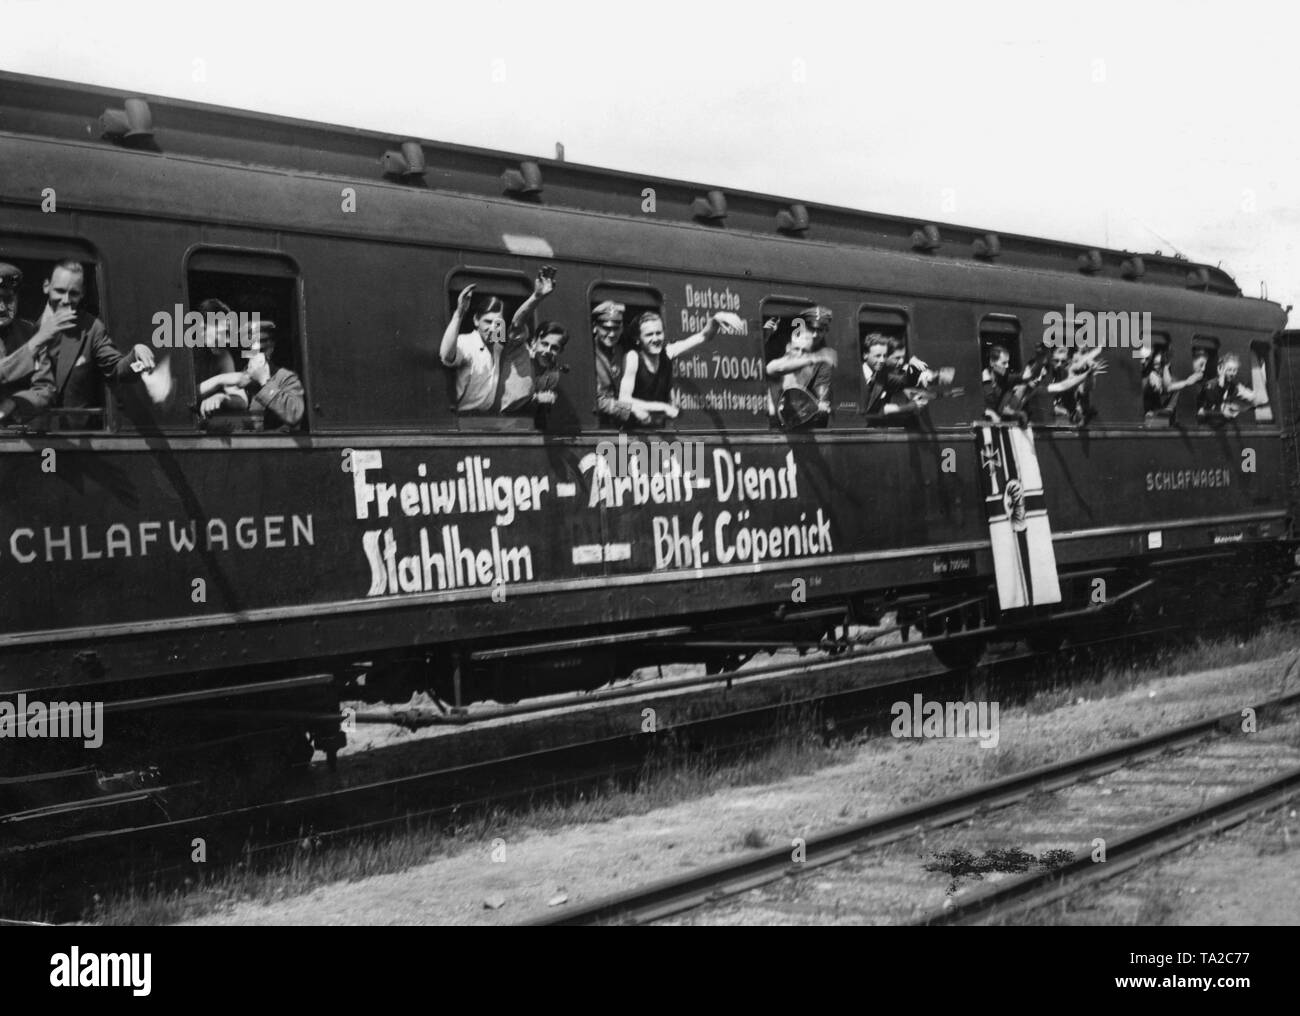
1253, 877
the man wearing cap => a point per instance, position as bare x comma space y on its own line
82, 342
804, 371
606, 328
276, 394
26, 375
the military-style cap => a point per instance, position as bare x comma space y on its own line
607, 313
10, 277
816, 317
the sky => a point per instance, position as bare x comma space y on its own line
1141, 126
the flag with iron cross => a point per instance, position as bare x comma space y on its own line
1020, 534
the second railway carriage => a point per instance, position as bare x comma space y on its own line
151, 555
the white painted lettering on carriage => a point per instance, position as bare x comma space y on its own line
637, 473
1187, 479
919, 718
725, 376
75, 969
34, 719
464, 552
701, 303
439, 559
151, 538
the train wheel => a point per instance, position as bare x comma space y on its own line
1047, 639
959, 653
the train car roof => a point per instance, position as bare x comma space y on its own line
54, 109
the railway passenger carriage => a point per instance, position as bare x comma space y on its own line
150, 556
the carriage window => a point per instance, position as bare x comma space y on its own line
1001, 330
55, 400
782, 322
1259, 381
883, 348
490, 373
1205, 354
1160, 391
242, 324
615, 310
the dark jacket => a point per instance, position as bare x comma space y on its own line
282, 399
81, 353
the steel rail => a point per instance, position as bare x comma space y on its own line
1034, 890
728, 878
293, 815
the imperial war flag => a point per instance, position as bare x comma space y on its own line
1019, 531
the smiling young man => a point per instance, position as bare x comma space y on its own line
81, 345
525, 382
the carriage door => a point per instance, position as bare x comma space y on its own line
1020, 534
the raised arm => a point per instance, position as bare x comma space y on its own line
1193, 378
676, 349
447, 352
1094, 367
543, 286
788, 363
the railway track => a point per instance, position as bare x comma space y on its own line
158, 846
848, 845
150, 843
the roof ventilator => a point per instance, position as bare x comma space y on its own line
793, 219
926, 238
132, 123
524, 181
986, 247
408, 163
1090, 262
712, 207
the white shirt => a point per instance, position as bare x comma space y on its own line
478, 370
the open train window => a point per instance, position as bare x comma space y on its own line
1001, 330
475, 386
243, 329
1259, 381
882, 338
1207, 347
615, 308
778, 315
1158, 403
22, 313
